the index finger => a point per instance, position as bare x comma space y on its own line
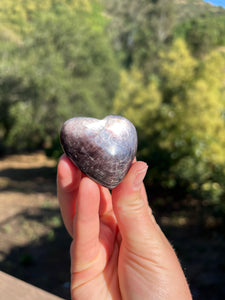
68, 181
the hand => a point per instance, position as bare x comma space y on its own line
118, 250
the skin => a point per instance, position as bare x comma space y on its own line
118, 250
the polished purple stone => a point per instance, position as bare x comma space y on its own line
101, 149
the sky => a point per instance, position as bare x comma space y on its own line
217, 2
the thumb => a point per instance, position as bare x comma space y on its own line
130, 204
146, 249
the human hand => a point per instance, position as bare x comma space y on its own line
118, 250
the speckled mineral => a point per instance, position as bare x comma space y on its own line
101, 149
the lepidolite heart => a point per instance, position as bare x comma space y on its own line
101, 149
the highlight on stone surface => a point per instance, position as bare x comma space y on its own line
101, 149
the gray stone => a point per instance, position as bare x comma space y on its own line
101, 149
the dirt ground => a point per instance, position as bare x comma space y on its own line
34, 245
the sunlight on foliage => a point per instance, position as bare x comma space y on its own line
63, 67
164, 72
177, 66
179, 118
136, 101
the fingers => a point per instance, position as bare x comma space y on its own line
86, 209
106, 201
68, 180
86, 224
68, 175
131, 208
144, 249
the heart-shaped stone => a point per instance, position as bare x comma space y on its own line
101, 149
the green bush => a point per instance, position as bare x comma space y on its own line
179, 116
63, 67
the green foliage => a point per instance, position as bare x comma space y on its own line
177, 67
180, 118
21, 15
192, 9
63, 67
59, 59
139, 30
203, 33
140, 103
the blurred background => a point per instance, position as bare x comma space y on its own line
159, 63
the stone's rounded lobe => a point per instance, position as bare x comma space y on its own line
101, 149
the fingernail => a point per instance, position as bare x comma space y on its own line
139, 176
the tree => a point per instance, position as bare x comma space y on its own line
180, 120
140, 29
137, 101
21, 15
63, 67
203, 34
